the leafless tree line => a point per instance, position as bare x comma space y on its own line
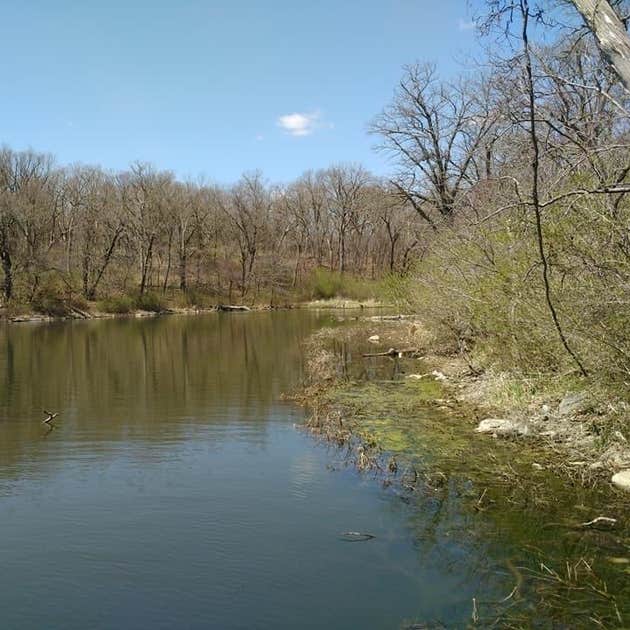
97, 233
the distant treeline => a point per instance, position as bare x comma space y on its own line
88, 233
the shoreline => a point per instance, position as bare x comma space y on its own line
576, 431
409, 423
75, 314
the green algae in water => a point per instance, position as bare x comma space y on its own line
404, 418
491, 494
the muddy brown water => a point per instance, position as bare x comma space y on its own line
175, 491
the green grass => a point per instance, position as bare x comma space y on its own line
123, 304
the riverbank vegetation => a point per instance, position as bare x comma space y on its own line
520, 175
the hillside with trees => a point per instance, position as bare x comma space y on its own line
76, 234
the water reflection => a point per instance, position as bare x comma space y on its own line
175, 492
160, 380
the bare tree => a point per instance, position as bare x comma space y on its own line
28, 211
345, 188
433, 130
97, 224
247, 206
82, 230
144, 196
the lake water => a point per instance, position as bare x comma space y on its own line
177, 492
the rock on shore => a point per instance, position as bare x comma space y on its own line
622, 479
501, 427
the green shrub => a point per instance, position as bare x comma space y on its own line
324, 284
50, 297
149, 302
361, 289
118, 305
480, 289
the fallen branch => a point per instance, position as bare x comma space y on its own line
232, 307
600, 520
80, 313
392, 352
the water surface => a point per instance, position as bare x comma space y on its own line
177, 492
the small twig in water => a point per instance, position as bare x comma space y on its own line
483, 494
505, 599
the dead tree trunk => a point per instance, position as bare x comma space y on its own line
7, 268
610, 33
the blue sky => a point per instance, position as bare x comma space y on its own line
214, 87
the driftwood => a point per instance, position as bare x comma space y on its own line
392, 352
389, 353
390, 318
599, 521
79, 313
233, 307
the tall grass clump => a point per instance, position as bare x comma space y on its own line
150, 302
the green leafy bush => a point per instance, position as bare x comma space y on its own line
480, 288
324, 284
118, 305
150, 302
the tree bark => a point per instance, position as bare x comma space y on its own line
90, 293
183, 265
146, 265
610, 33
169, 258
7, 267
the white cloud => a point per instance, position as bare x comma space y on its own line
260, 137
466, 25
297, 124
